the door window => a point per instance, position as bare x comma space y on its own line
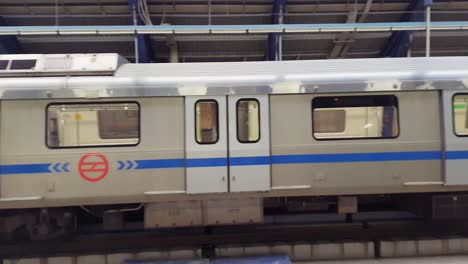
206, 122
248, 120
460, 114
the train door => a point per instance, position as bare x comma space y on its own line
227, 143
249, 143
455, 108
206, 144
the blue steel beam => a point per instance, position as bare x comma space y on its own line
400, 42
397, 46
274, 39
145, 48
8, 44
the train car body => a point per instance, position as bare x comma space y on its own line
211, 141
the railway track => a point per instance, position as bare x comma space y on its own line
209, 238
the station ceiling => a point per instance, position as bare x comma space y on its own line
246, 47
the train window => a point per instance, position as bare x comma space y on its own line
248, 121
206, 122
4, 64
22, 64
93, 125
329, 121
118, 124
460, 114
355, 117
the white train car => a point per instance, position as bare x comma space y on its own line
208, 143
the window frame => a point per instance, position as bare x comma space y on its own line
217, 121
453, 115
91, 103
259, 121
396, 105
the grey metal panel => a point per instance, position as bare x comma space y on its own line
455, 169
293, 136
253, 177
21, 145
212, 179
296, 133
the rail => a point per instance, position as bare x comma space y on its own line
230, 29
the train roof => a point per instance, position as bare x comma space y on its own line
123, 79
303, 70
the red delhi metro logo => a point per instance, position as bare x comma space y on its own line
93, 167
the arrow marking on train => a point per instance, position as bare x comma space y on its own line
59, 167
131, 165
121, 165
126, 165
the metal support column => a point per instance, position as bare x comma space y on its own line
135, 22
274, 49
143, 47
399, 43
428, 4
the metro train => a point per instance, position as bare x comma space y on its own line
201, 144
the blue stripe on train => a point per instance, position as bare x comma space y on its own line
206, 162
455, 155
249, 161
25, 168
159, 164
356, 157
201, 162
259, 160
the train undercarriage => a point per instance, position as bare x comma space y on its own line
59, 222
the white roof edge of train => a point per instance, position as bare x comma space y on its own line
279, 73
26, 65
298, 68
284, 77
